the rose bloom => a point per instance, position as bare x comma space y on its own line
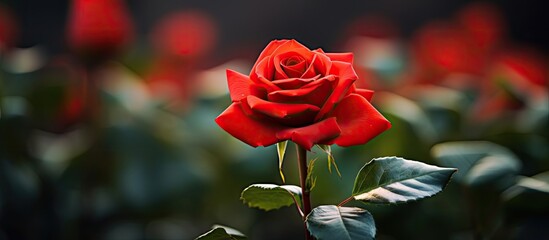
308, 97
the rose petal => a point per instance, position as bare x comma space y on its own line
310, 135
320, 64
294, 83
342, 57
359, 121
315, 93
258, 77
279, 110
289, 65
269, 49
368, 94
239, 85
347, 77
296, 70
294, 46
343, 70
254, 132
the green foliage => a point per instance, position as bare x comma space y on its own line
397, 180
529, 193
219, 232
270, 196
479, 162
345, 223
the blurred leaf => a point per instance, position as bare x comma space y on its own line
333, 222
479, 162
431, 96
491, 169
331, 160
270, 196
530, 192
410, 112
397, 180
219, 232
281, 150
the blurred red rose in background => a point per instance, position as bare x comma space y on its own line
309, 97
8, 28
484, 23
181, 41
442, 48
184, 34
99, 27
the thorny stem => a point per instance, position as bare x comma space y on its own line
305, 198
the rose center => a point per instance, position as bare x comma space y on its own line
293, 60
294, 66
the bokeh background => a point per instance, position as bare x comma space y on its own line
107, 109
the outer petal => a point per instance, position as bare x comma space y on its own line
368, 94
279, 110
310, 135
342, 57
239, 85
359, 121
252, 131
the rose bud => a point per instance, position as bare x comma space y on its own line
98, 28
308, 97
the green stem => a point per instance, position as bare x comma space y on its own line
305, 198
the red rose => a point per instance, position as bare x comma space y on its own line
309, 97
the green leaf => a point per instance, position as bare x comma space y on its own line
331, 160
342, 223
281, 150
270, 196
479, 162
219, 232
397, 180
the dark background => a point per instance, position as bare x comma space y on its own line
254, 23
171, 175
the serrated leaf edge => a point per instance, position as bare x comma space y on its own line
411, 200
